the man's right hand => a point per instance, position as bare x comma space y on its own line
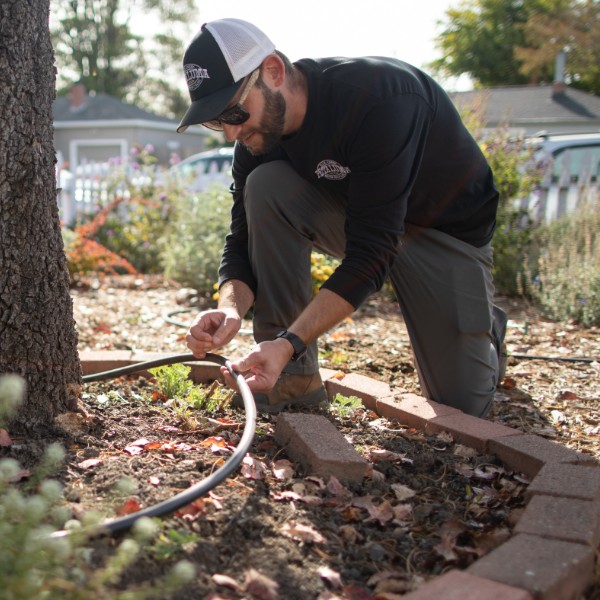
212, 329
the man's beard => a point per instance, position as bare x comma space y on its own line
272, 122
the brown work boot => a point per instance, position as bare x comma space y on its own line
290, 391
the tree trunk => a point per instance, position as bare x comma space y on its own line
38, 339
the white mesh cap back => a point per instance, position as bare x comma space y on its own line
243, 45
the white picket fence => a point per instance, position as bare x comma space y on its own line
92, 187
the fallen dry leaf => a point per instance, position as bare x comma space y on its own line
131, 505
90, 462
252, 468
302, 533
402, 492
5, 438
331, 576
378, 454
283, 469
227, 581
261, 586
192, 510
350, 534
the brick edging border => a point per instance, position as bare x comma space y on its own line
551, 554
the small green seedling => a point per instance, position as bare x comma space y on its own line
345, 406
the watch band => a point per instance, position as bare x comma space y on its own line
297, 344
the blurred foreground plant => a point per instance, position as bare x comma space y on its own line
36, 564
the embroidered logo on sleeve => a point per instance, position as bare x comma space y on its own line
330, 169
194, 76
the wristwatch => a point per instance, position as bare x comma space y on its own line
297, 344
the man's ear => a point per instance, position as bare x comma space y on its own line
273, 71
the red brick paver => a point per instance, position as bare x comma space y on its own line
568, 519
459, 585
367, 389
318, 445
104, 360
571, 481
528, 453
549, 569
412, 410
470, 431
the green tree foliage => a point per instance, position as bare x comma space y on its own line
512, 42
95, 45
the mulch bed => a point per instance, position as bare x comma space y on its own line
271, 530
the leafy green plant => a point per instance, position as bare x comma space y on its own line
173, 380
345, 406
174, 383
565, 278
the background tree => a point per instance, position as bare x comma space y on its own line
575, 29
37, 332
95, 45
511, 42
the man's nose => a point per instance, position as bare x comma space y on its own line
231, 131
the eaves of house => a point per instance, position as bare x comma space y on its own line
530, 109
103, 110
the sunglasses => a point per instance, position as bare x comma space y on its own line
235, 115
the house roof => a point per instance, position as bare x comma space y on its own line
100, 107
543, 104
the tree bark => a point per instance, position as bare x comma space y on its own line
38, 339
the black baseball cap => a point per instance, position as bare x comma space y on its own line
215, 64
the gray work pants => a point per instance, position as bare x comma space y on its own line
443, 285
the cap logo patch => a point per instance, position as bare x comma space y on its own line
194, 76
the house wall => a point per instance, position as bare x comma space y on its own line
78, 143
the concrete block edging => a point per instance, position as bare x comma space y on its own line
563, 575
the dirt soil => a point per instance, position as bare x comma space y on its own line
272, 531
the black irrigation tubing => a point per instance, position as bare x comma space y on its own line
169, 506
557, 358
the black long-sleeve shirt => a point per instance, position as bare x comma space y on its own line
387, 138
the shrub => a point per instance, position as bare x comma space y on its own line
516, 175
85, 255
126, 234
194, 243
565, 278
136, 226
